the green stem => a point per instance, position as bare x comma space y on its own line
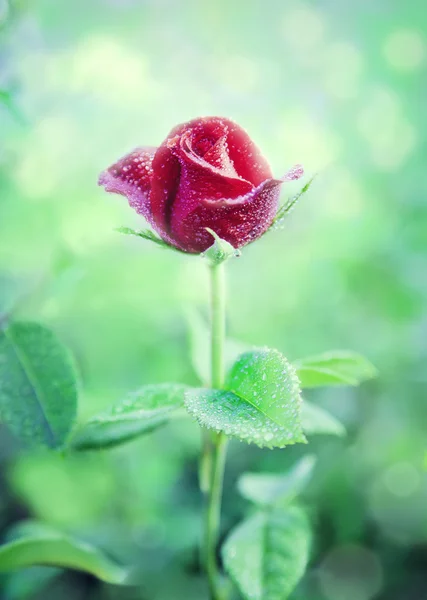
216, 447
217, 325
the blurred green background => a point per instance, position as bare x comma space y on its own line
340, 87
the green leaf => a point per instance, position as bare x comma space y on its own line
272, 489
220, 251
267, 555
262, 405
316, 420
38, 388
284, 210
339, 367
139, 413
60, 551
149, 235
200, 347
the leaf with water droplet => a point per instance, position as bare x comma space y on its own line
337, 367
261, 403
56, 549
316, 420
267, 554
141, 412
268, 489
38, 385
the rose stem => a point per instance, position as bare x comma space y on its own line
218, 443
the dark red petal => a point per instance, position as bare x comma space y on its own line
242, 153
202, 180
237, 220
246, 156
164, 186
131, 177
182, 178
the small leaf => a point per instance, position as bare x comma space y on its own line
267, 555
200, 347
339, 367
284, 210
149, 235
262, 405
272, 489
38, 389
220, 251
60, 551
316, 420
139, 413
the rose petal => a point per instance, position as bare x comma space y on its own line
237, 220
218, 157
201, 181
246, 156
241, 152
131, 177
182, 178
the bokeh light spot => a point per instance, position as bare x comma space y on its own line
312, 143
39, 172
345, 198
402, 479
4, 10
342, 65
405, 50
238, 73
351, 572
303, 27
383, 124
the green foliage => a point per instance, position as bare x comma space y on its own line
38, 388
285, 209
316, 420
337, 367
262, 405
149, 235
54, 548
139, 413
273, 489
267, 555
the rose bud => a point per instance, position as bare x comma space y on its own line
206, 174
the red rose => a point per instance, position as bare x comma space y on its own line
207, 173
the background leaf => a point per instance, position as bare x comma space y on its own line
267, 555
316, 420
269, 489
38, 388
139, 413
262, 406
60, 551
200, 347
339, 367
